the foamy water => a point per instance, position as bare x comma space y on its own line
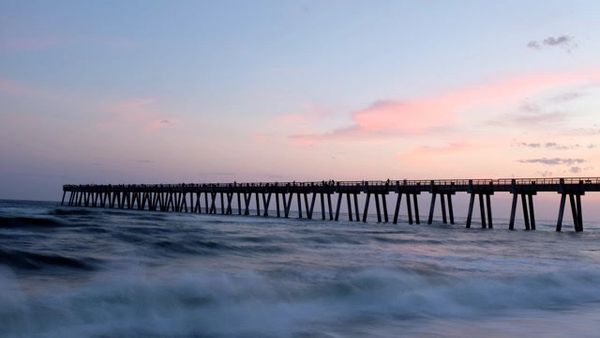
67, 272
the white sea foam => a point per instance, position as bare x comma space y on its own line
210, 303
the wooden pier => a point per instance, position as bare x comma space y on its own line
230, 198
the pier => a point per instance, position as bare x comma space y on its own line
279, 197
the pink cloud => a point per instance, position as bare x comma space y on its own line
432, 113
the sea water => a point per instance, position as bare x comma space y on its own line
76, 272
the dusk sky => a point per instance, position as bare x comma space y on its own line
222, 91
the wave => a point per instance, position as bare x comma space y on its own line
195, 246
69, 212
190, 247
215, 304
36, 261
29, 221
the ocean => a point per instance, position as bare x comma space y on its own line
76, 272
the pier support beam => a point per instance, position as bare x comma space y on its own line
330, 206
322, 199
411, 199
443, 197
257, 203
287, 203
349, 204
416, 206
528, 210
485, 209
299, 205
397, 208
366, 211
311, 208
575, 202
266, 202
377, 208
380, 207
338, 205
357, 211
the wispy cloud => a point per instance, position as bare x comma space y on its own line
539, 118
565, 42
558, 41
530, 145
575, 170
415, 116
584, 131
556, 146
554, 161
566, 97
534, 114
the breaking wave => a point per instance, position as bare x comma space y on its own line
248, 304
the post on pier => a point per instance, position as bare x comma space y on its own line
380, 205
329, 206
526, 193
287, 204
397, 207
445, 194
385, 209
483, 192
306, 205
338, 205
357, 211
377, 207
299, 198
366, 211
277, 204
311, 208
322, 199
256, 197
349, 205
266, 202
416, 206
574, 193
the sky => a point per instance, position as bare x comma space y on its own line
223, 91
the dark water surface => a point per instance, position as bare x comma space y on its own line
69, 272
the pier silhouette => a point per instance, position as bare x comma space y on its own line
230, 198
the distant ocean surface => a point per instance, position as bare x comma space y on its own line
72, 272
